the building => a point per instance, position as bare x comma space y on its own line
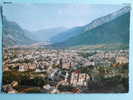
122, 60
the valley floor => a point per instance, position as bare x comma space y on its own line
43, 70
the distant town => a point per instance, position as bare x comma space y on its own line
64, 70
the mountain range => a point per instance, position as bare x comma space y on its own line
13, 34
45, 34
112, 28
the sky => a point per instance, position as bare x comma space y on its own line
35, 17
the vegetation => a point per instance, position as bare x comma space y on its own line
24, 78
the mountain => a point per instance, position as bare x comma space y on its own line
62, 36
112, 28
13, 34
46, 34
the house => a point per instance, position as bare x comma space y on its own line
79, 79
9, 89
122, 60
22, 68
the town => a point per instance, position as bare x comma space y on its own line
43, 70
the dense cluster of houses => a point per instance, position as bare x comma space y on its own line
61, 64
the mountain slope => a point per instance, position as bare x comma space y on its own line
46, 34
66, 34
113, 28
13, 34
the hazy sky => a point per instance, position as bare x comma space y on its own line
41, 16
